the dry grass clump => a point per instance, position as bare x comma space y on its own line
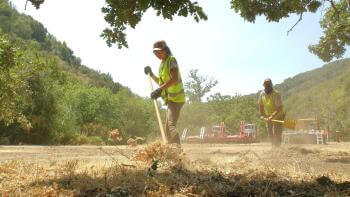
115, 135
135, 141
131, 142
166, 154
19, 178
165, 170
206, 181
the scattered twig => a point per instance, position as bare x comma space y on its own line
109, 154
299, 194
122, 153
267, 188
128, 165
236, 185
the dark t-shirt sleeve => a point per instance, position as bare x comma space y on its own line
173, 64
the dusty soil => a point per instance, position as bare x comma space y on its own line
334, 157
331, 158
231, 169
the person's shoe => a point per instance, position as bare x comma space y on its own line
175, 139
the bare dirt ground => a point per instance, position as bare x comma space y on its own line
334, 157
202, 170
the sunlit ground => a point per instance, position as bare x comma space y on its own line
156, 170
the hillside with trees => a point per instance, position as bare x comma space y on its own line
323, 92
49, 97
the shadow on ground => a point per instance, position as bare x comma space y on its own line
205, 182
345, 160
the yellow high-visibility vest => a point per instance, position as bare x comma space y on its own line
174, 93
269, 104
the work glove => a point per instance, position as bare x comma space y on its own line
263, 118
156, 93
270, 118
148, 70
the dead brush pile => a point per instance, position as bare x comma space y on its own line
165, 170
19, 178
166, 154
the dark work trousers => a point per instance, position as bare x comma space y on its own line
173, 114
275, 133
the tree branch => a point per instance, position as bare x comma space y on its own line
300, 18
25, 7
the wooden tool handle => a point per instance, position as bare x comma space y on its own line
279, 121
157, 112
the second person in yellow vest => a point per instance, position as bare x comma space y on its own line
170, 88
271, 108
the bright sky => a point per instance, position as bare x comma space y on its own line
240, 55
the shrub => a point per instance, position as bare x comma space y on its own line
95, 140
5, 141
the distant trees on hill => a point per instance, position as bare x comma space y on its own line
49, 97
323, 92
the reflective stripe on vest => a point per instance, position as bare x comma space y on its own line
175, 92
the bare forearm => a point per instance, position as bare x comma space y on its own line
278, 109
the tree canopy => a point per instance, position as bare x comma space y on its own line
197, 86
120, 14
336, 27
335, 22
323, 92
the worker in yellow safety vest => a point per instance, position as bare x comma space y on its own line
271, 108
170, 88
